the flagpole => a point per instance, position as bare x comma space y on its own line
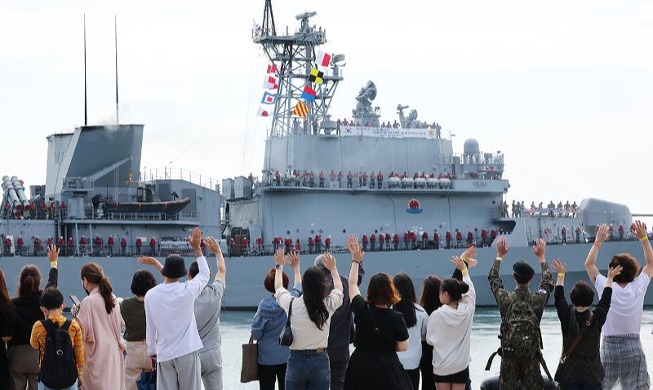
85, 87
115, 30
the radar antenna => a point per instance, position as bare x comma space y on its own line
293, 57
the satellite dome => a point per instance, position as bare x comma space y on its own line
471, 146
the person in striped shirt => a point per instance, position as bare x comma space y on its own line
52, 305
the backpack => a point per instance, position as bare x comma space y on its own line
520, 329
58, 367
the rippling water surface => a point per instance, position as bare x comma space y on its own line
235, 332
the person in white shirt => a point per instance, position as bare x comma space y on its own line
449, 329
416, 319
622, 355
308, 364
171, 330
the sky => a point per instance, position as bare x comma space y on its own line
563, 88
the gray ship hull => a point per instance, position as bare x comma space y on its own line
245, 274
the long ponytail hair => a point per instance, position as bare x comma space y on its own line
406, 306
314, 286
430, 299
94, 274
29, 282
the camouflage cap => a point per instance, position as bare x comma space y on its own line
522, 268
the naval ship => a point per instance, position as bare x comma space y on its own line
393, 183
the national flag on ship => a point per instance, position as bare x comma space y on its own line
271, 82
268, 98
263, 112
323, 59
300, 109
272, 69
309, 93
316, 76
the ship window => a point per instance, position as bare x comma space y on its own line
312, 232
288, 232
344, 231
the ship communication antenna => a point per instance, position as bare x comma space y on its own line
294, 57
115, 33
85, 88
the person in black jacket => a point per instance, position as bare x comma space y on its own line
582, 369
23, 359
341, 330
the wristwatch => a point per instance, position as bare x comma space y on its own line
278, 266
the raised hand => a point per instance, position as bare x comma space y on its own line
213, 246
53, 253
558, 266
293, 259
329, 261
639, 229
355, 249
539, 248
601, 234
612, 272
459, 263
147, 260
469, 256
279, 258
195, 240
502, 247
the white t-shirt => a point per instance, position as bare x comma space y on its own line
411, 357
306, 334
627, 306
171, 328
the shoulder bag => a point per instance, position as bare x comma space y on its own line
286, 337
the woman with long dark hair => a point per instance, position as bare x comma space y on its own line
23, 359
7, 326
380, 332
430, 301
310, 317
267, 324
449, 328
416, 318
133, 313
100, 319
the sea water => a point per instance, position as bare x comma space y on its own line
235, 327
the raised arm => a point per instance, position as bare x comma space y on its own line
546, 285
559, 268
496, 284
640, 232
280, 261
590, 261
214, 247
53, 275
202, 278
470, 296
469, 258
357, 255
330, 263
293, 260
147, 260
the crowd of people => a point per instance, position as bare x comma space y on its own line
400, 341
85, 246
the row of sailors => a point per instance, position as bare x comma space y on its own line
395, 180
519, 209
96, 247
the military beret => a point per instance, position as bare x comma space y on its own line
522, 268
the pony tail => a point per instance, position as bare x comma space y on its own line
107, 294
463, 287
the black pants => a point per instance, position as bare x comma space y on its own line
268, 375
338, 360
414, 377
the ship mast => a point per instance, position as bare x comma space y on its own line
294, 56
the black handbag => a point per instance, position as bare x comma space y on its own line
286, 337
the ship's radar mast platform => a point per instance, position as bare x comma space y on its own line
293, 57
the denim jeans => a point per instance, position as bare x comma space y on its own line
44, 387
308, 370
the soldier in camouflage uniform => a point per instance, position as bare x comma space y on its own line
516, 367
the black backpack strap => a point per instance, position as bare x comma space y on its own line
540, 358
489, 361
